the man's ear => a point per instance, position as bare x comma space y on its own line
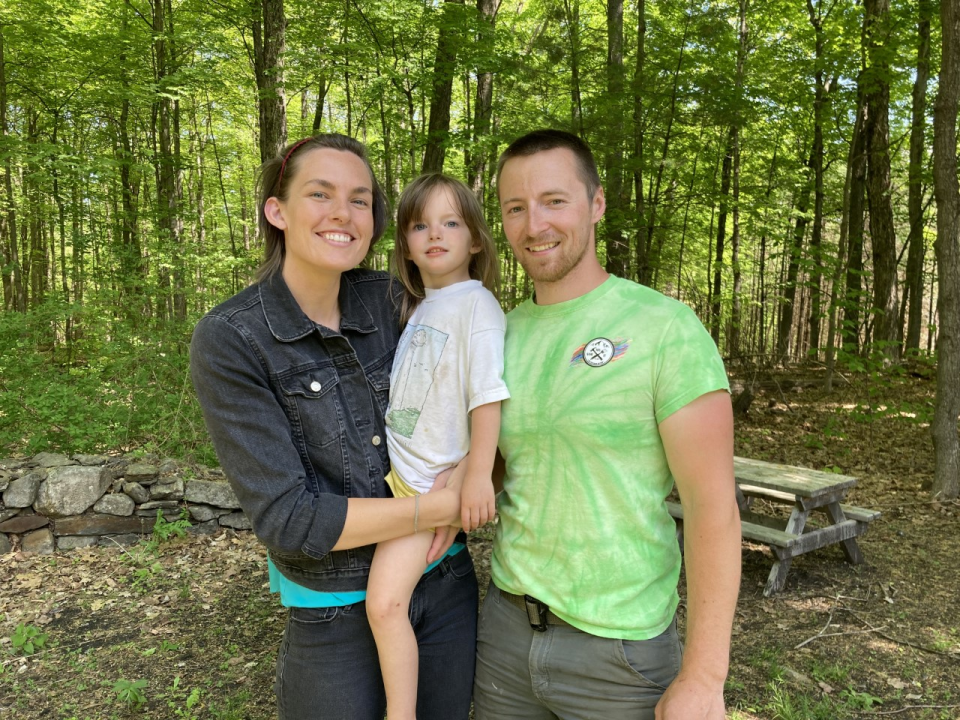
273, 212
598, 205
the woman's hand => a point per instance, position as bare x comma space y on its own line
448, 481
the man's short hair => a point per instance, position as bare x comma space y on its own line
543, 140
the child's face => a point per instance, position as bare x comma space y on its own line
439, 243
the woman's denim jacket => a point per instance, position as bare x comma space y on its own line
296, 414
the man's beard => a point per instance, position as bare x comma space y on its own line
558, 266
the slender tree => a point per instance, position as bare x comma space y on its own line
876, 29
438, 134
946, 482
913, 285
618, 246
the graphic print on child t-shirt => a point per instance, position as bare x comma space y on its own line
420, 347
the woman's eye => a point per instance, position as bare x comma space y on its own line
361, 202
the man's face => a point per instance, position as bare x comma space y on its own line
547, 216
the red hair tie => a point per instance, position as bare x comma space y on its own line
283, 165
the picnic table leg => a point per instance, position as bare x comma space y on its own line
778, 574
850, 547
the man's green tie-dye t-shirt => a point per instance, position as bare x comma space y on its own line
583, 526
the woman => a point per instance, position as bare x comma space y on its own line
293, 376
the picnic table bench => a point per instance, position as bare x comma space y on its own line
805, 491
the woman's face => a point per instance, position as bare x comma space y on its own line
327, 218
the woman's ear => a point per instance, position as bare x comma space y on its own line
273, 212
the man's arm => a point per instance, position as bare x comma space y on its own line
698, 440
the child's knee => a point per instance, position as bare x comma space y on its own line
386, 608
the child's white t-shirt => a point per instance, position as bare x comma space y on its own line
449, 361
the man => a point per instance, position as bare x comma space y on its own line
617, 393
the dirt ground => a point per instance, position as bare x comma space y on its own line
186, 628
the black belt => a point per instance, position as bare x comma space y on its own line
539, 615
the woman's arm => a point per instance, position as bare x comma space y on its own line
373, 520
477, 502
253, 440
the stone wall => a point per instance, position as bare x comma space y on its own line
55, 502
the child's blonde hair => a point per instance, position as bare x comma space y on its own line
484, 265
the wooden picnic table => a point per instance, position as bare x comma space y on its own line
804, 491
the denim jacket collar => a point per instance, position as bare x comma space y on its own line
288, 322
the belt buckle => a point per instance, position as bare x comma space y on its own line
536, 613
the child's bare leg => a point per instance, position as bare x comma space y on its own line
397, 567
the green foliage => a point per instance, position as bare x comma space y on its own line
182, 704
860, 700
27, 639
109, 389
164, 529
785, 705
129, 692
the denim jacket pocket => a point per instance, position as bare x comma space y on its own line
313, 406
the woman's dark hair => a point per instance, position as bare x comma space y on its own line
484, 265
273, 180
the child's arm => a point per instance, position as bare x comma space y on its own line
477, 502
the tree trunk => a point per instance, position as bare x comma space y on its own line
169, 182
13, 293
819, 99
438, 133
853, 296
637, 88
946, 481
645, 263
876, 26
270, 44
762, 271
686, 212
572, 16
913, 287
733, 337
483, 106
618, 247
721, 234
323, 85
835, 286
790, 291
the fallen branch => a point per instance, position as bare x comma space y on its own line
851, 632
905, 708
908, 643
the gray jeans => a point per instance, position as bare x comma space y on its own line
566, 673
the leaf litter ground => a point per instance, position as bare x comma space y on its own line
194, 619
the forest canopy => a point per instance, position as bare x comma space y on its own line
767, 162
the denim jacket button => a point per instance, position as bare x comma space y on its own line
315, 386
376, 440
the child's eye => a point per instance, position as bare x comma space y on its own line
452, 223
417, 227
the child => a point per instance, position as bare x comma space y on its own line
445, 393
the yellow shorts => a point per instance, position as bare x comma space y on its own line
401, 489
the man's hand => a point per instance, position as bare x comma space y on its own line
692, 699
478, 505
